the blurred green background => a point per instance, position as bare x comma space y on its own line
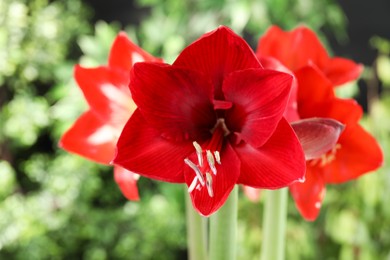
54, 205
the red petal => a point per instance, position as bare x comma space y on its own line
313, 88
294, 49
359, 153
91, 138
291, 112
216, 54
106, 92
276, 164
308, 196
142, 150
127, 182
223, 182
259, 100
317, 135
340, 71
177, 102
124, 53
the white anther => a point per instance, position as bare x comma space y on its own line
196, 170
198, 153
217, 157
209, 184
193, 184
211, 161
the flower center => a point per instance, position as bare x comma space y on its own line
326, 158
205, 169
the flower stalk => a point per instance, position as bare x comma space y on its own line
196, 231
274, 225
223, 230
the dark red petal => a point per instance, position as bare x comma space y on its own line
359, 153
308, 196
340, 70
291, 112
127, 182
295, 49
259, 100
223, 182
142, 150
106, 92
176, 101
91, 138
124, 53
216, 54
276, 164
317, 135
313, 88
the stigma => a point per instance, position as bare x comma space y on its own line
204, 169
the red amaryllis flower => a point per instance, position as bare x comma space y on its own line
355, 153
211, 120
301, 47
95, 133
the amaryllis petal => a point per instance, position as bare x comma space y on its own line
358, 153
308, 195
106, 92
340, 70
259, 100
317, 135
91, 138
216, 54
176, 101
127, 182
291, 112
222, 182
294, 49
142, 149
278, 163
313, 87
252, 194
124, 53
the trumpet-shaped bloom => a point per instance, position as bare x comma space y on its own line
105, 88
301, 47
212, 119
355, 152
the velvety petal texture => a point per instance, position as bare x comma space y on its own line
176, 101
260, 98
217, 54
301, 47
105, 88
278, 162
212, 119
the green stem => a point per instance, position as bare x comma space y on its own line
274, 225
223, 230
196, 232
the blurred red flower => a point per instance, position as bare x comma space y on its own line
105, 88
212, 119
356, 152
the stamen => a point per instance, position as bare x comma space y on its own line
209, 184
196, 170
211, 161
198, 153
193, 184
217, 157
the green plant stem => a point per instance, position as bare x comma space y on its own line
223, 230
196, 232
274, 225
